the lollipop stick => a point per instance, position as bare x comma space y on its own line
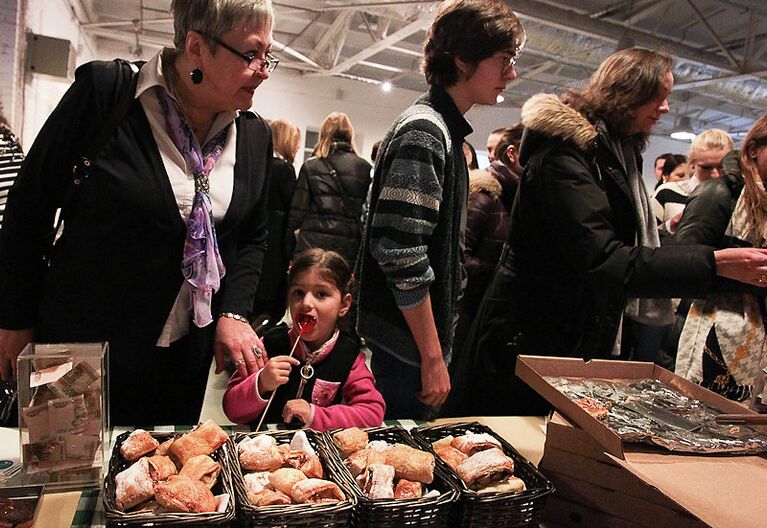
269, 403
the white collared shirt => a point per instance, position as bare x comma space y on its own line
181, 178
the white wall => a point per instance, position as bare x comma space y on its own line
11, 40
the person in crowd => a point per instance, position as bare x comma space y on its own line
471, 156
269, 306
492, 141
11, 156
326, 211
706, 153
374, 151
340, 390
491, 194
162, 244
583, 244
660, 163
410, 270
723, 340
669, 198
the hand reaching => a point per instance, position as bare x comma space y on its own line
275, 373
300, 409
747, 265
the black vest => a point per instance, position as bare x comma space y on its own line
334, 367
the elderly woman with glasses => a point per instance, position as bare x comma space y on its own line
164, 222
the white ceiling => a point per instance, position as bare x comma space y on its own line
720, 46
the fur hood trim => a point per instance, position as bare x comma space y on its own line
480, 181
548, 115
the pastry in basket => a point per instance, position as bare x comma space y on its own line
310, 465
410, 463
407, 489
449, 454
260, 453
257, 481
448, 440
203, 440
164, 448
471, 443
268, 497
285, 478
485, 467
138, 444
357, 462
133, 485
182, 494
507, 485
378, 482
350, 440
161, 467
593, 407
202, 468
300, 442
316, 491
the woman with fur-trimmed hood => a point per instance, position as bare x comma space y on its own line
583, 245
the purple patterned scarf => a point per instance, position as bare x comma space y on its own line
201, 265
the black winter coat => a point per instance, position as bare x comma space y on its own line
318, 209
571, 262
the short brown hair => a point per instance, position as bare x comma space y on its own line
472, 30
286, 139
623, 82
510, 137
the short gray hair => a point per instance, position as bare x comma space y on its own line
216, 17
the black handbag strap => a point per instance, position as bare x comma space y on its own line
347, 203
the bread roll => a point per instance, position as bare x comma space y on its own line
164, 448
379, 482
316, 491
202, 468
508, 485
310, 465
268, 497
284, 478
357, 462
350, 440
471, 443
410, 463
203, 440
138, 444
406, 489
450, 455
447, 440
161, 467
182, 494
260, 453
133, 485
485, 467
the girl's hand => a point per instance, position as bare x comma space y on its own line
300, 409
275, 373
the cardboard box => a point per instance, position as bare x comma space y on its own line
721, 491
566, 514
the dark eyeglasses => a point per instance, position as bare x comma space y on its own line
256, 64
507, 64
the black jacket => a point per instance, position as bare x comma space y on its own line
318, 208
116, 270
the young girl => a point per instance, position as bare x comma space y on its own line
326, 383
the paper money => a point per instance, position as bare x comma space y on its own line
35, 419
67, 415
42, 456
76, 381
81, 448
49, 375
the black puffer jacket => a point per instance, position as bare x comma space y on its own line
318, 209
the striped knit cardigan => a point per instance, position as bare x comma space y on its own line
11, 157
412, 241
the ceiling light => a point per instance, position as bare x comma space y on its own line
500, 98
683, 131
386, 86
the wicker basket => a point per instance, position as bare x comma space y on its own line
224, 455
329, 515
493, 510
380, 513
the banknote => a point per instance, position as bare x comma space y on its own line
42, 456
49, 375
81, 448
35, 419
76, 381
67, 415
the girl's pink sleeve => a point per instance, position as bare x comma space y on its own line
363, 405
242, 402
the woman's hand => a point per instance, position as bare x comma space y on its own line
747, 265
300, 409
12, 342
237, 340
275, 373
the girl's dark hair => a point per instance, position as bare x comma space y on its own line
510, 137
474, 164
330, 265
472, 30
623, 82
672, 162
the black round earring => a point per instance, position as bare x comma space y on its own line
196, 75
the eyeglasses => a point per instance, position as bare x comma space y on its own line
256, 64
507, 64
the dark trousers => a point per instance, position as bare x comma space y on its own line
167, 388
399, 383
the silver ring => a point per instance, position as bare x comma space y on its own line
239, 362
256, 351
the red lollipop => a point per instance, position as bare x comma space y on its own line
305, 323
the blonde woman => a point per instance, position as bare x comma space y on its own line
723, 340
706, 153
332, 185
269, 306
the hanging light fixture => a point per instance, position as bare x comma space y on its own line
683, 130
